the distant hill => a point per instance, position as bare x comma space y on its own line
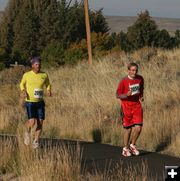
121, 23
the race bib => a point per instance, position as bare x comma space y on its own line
38, 93
134, 89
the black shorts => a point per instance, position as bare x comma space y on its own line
35, 110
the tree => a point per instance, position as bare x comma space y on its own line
162, 39
123, 42
29, 27
177, 38
75, 24
98, 22
142, 32
3, 58
53, 54
50, 26
26, 32
6, 24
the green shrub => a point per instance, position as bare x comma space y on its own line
53, 55
2, 66
72, 56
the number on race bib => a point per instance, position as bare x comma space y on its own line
38, 93
134, 89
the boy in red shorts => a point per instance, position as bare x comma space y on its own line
130, 96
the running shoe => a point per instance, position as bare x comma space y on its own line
126, 152
134, 150
35, 144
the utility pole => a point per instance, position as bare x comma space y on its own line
88, 31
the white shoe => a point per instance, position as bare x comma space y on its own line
134, 150
27, 138
35, 144
126, 152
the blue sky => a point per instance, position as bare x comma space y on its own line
158, 8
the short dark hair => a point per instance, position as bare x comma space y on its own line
132, 64
35, 59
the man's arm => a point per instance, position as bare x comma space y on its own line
23, 87
48, 87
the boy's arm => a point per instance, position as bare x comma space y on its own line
120, 91
142, 90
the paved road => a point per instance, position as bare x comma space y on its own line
102, 156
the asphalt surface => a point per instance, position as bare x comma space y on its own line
101, 157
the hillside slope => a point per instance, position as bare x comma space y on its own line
121, 23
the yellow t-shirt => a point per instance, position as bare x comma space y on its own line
34, 84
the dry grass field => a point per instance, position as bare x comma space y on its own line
84, 107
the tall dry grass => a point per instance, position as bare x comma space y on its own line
84, 100
65, 163
6, 155
54, 164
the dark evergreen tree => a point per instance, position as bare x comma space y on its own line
162, 39
4, 58
6, 24
123, 42
28, 27
98, 22
142, 32
75, 26
26, 32
177, 38
50, 29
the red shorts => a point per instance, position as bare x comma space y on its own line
132, 113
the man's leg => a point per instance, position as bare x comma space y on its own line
30, 123
30, 107
29, 127
38, 129
39, 123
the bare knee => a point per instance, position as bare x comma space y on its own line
39, 124
138, 128
31, 122
127, 130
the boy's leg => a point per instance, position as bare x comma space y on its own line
137, 121
127, 134
135, 134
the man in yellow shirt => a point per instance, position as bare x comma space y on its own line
32, 85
